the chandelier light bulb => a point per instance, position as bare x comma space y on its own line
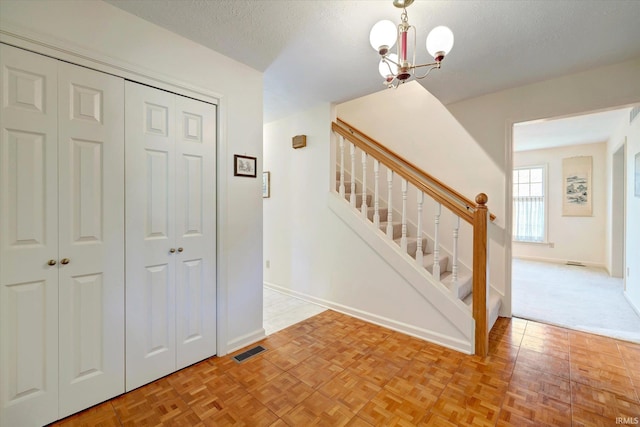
388, 68
440, 42
383, 36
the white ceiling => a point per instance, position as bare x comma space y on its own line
318, 51
584, 129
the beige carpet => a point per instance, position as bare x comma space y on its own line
582, 298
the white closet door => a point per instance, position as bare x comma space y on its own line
28, 239
91, 237
195, 230
150, 223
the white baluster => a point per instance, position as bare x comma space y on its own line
389, 208
376, 202
363, 206
352, 196
436, 244
454, 267
341, 188
403, 240
419, 252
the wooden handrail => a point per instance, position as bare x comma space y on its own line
475, 214
442, 193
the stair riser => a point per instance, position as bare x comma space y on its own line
443, 261
412, 247
397, 230
382, 212
464, 284
359, 199
347, 187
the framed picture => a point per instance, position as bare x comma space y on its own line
577, 191
244, 166
637, 175
266, 185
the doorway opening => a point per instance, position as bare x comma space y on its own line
568, 248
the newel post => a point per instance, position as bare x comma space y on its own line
480, 270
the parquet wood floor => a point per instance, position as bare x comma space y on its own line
334, 370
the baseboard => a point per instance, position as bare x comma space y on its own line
560, 261
246, 340
425, 334
635, 308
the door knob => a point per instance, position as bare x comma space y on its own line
52, 262
172, 250
180, 249
65, 261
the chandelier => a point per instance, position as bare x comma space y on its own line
398, 67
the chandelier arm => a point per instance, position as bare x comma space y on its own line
391, 73
427, 73
386, 59
431, 64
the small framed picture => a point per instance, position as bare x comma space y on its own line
244, 166
266, 184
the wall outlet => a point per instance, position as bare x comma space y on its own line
552, 245
267, 263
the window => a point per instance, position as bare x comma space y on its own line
529, 204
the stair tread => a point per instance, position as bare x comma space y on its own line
464, 283
494, 299
409, 239
429, 257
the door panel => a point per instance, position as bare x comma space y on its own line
196, 230
158, 326
86, 313
150, 221
91, 236
28, 239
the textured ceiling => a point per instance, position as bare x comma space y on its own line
583, 129
318, 51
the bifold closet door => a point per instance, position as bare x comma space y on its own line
195, 231
150, 222
171, 236
62, 238
28, 239
91, 237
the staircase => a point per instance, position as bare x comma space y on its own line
424, 251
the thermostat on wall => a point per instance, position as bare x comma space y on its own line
299, 141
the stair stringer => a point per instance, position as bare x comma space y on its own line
435, 293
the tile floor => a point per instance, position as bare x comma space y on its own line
334, 370
281, 310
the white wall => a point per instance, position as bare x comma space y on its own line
615, 156
630, 133
579, 239
632, 252
312, 252
102, 34
489, 119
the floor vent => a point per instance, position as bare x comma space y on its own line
249, 353
576, 263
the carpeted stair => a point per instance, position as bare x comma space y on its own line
464, 274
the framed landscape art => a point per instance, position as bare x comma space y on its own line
577, 191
